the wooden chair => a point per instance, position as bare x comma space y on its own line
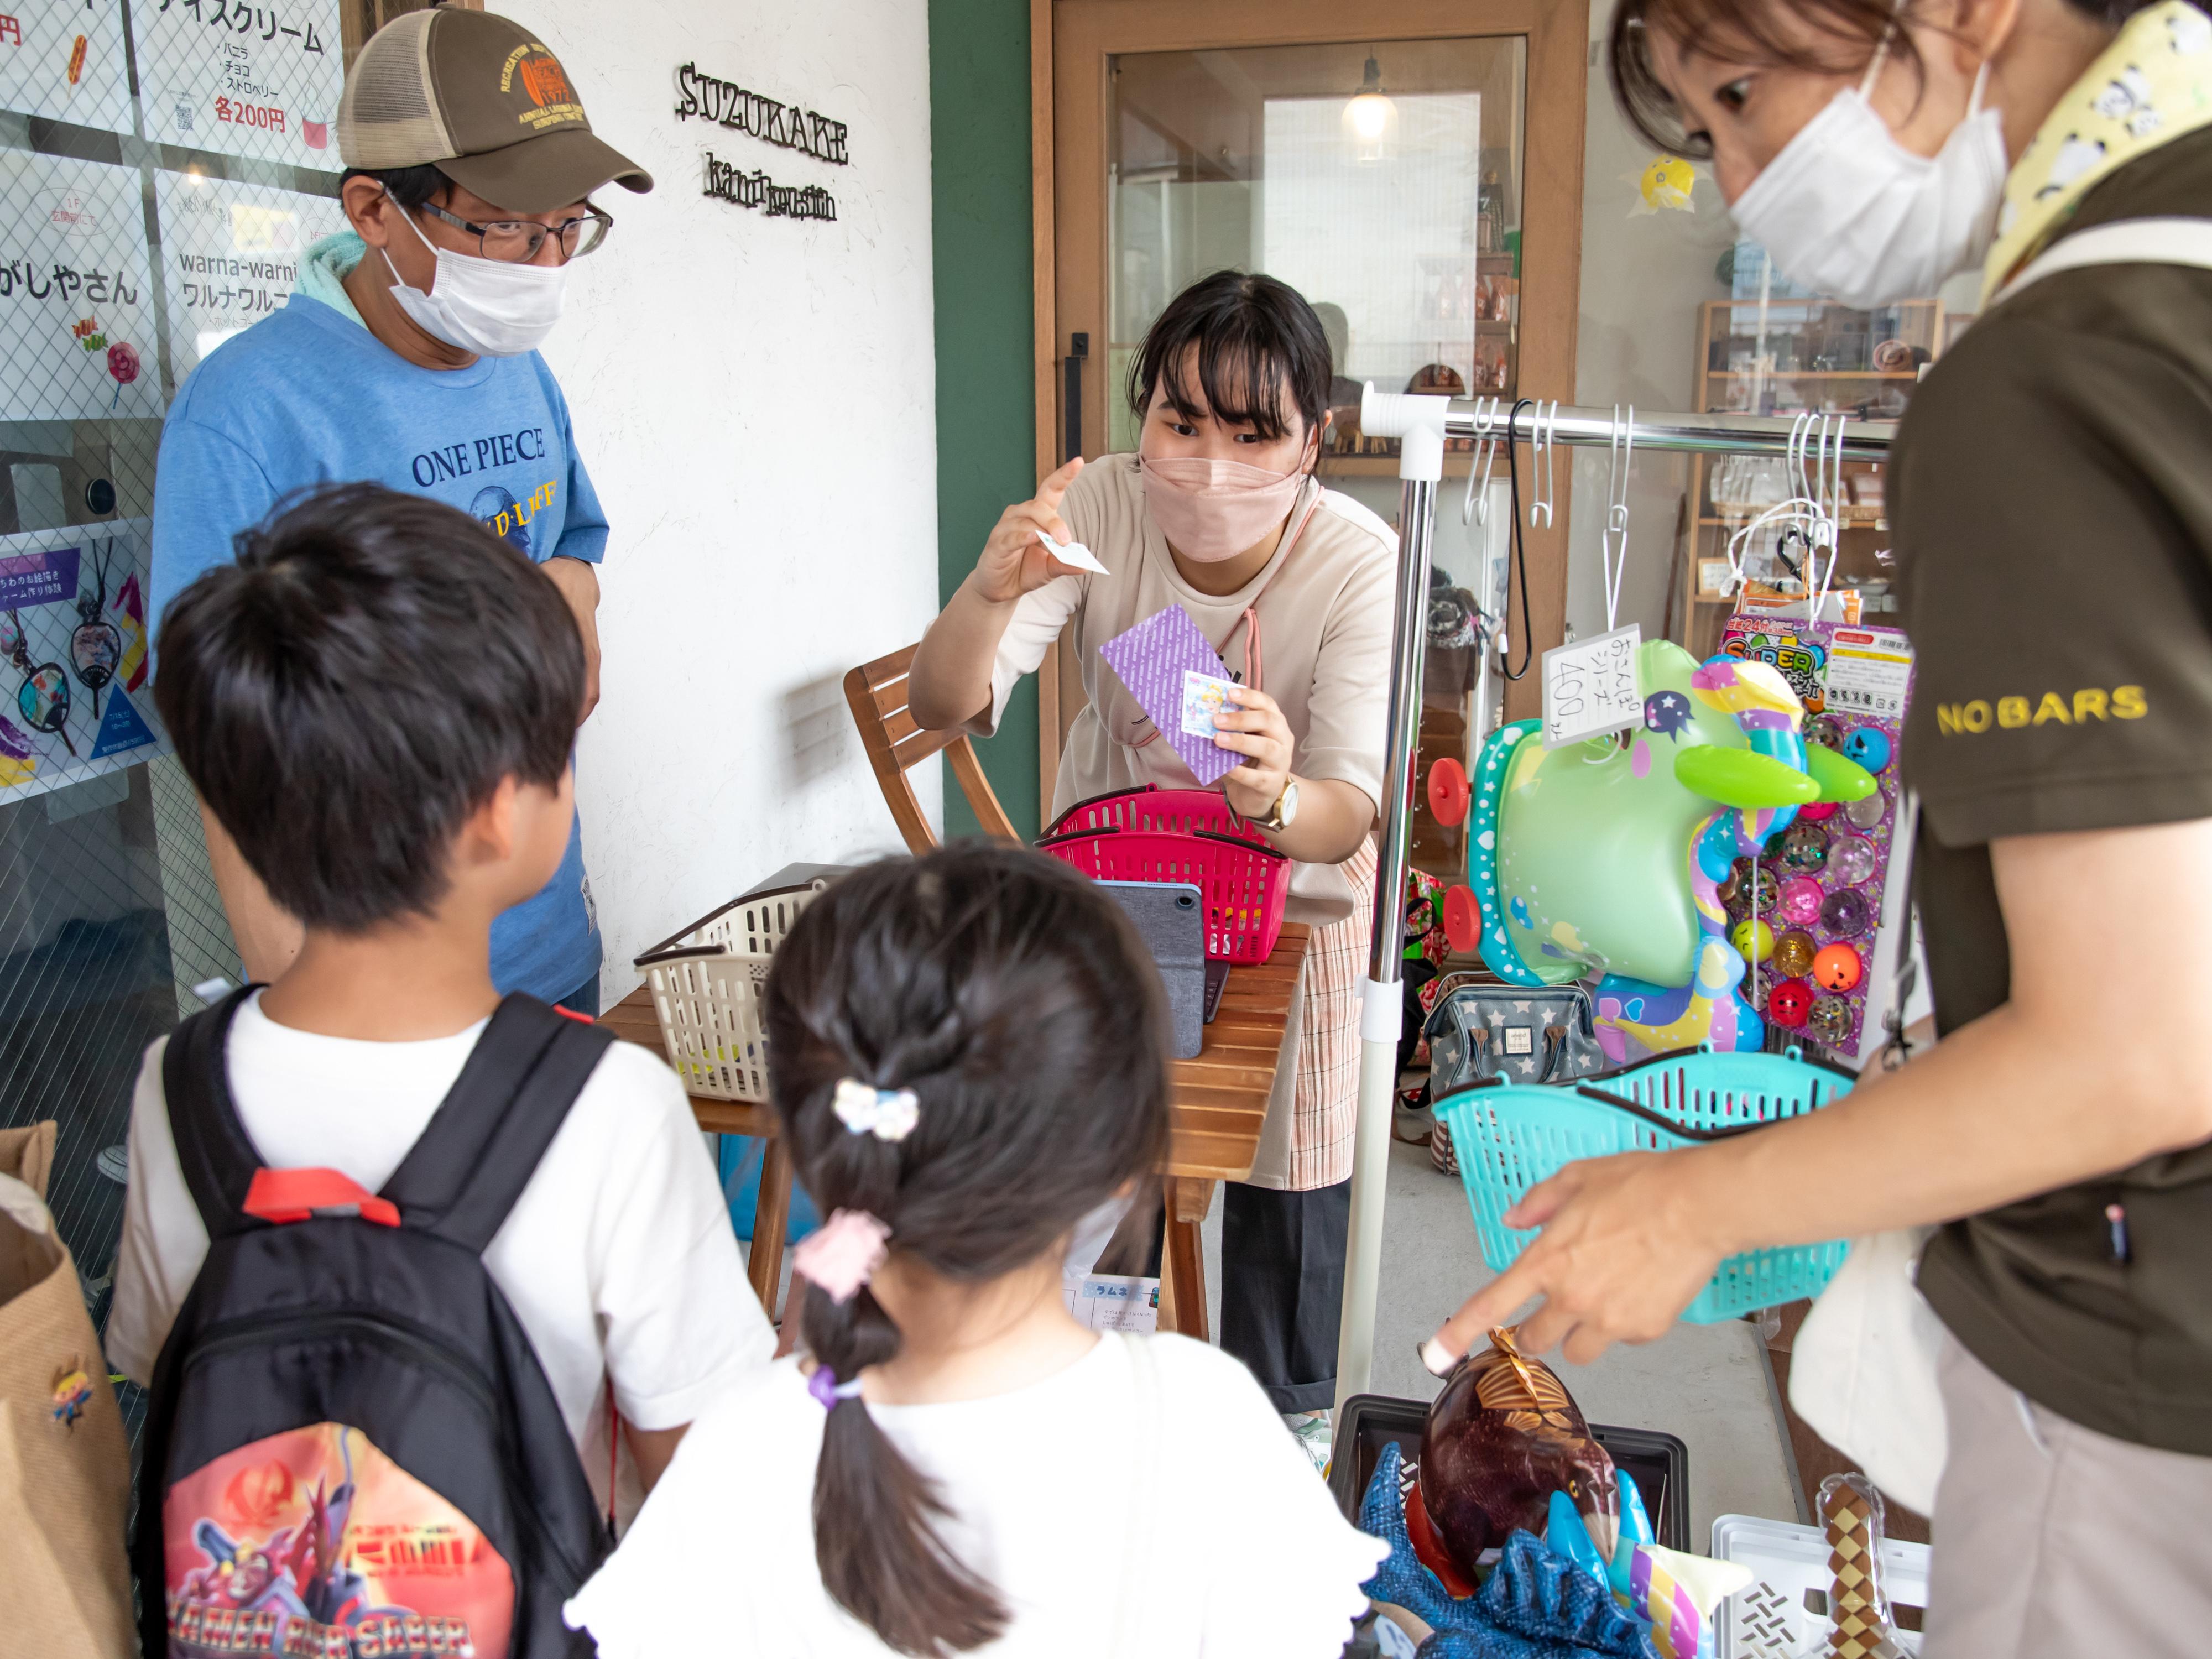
876, 693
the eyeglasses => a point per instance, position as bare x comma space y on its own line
517, 241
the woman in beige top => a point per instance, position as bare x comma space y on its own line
1219, 512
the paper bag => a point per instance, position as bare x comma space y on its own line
65, 1469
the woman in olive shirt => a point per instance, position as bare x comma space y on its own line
2051, 499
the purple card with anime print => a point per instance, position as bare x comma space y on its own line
1151, 658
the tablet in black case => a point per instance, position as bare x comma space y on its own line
1170, 918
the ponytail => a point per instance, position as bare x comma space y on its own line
875, 1516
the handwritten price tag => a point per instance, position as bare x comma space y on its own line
1589, 687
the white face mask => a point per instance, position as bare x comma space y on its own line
1848, 212
490, 307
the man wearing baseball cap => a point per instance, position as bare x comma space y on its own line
407, 355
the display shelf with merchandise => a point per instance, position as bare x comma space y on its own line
1791, 357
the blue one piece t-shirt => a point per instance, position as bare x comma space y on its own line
309, 396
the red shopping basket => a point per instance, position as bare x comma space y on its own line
1172, 811
1245, 885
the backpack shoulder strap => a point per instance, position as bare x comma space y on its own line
213, 1149
470, 1165
2159, 241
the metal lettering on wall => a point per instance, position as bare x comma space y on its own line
756, 190
774, 122
729, 104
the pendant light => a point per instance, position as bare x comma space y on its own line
1371, 119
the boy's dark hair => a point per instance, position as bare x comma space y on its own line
1014, 1000
360, 679
410, 188
1257, 338
1847, 33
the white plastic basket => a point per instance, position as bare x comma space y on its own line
1774, 1617
706, 983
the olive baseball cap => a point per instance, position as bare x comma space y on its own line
483, 99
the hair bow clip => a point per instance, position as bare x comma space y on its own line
886, 1114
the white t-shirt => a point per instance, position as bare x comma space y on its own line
1238, 1549
618, 1257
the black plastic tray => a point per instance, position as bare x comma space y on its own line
1657, 1461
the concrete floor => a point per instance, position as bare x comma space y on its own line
1706, 1383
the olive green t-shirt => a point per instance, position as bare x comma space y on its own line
2052, 494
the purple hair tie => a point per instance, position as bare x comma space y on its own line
822, 1382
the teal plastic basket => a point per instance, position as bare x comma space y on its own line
1509, 1137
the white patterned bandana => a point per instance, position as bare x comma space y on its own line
2150, 87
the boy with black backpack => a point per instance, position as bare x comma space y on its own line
391, 1241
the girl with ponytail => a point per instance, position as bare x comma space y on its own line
966, 1057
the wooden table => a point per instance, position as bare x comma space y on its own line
1216, 1103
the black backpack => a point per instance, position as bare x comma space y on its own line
350, 1447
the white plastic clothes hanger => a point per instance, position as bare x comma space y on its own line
1800, 512
1612, 545
1542, 437
1828, 480
1476, 507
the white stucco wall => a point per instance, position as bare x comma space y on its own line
754, 399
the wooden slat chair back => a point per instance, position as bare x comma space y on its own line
877, 693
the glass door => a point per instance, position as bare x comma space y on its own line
1381, 180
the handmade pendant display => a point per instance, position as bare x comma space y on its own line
43, 698
96, 646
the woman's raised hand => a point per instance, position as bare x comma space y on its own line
1014, 561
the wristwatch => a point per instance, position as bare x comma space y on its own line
1286, 809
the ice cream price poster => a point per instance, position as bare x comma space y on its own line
64, 59
76, 292
230, 255
76, 695
258, 79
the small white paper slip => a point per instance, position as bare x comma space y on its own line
1074, 553
1205, 696
1589, 687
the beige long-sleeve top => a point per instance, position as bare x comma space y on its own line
1324, 604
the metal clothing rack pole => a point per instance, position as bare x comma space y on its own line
1421, 424
1709, 435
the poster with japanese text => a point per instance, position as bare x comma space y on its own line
64, 59
77, 299
77, 695
260, 80
230, 254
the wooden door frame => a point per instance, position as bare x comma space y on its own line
1557, 33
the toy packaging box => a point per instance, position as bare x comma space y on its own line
1833, 887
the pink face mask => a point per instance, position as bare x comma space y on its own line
1213, 510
